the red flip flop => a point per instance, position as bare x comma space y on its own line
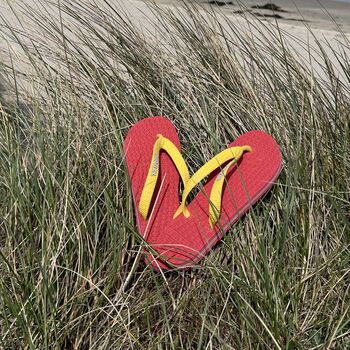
138, 149
245, 171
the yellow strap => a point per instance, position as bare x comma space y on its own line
216, 194
151, 179
233, 154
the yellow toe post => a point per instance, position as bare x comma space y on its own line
181, 210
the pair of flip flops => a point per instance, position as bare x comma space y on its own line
179, 233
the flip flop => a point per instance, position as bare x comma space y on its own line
235, 185
139, 147
181, 235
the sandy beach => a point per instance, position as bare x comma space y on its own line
327, 17
328, 21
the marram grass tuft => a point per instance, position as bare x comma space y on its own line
71, 267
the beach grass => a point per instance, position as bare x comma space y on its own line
72, 274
